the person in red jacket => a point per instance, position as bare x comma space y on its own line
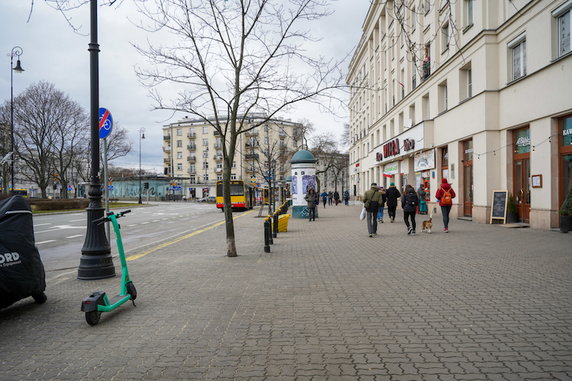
445, 195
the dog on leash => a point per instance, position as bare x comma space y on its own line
427, 224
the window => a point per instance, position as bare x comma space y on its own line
179, 132
218, 177
445, 37
465, 82
442, 93
563, 19
206, 177
234, 164
206, 153
179, 143
517, 51
179, 167
192, 168
179, 155
468, 12
233, 176
206, 165
205, 142
205, 129
193, 179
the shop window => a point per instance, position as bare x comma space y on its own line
562, 16
565, 150
517, 54
445, 163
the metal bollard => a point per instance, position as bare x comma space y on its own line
266, 235
275, 226
270, 230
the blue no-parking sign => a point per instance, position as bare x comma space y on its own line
105, 122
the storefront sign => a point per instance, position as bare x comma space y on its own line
408, 144
391, 169
391, 148
424, 161
378, 156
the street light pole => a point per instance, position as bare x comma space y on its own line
16, 51
141, 136
96, 261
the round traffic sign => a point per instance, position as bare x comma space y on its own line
105, 122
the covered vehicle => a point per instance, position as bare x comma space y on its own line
21, 268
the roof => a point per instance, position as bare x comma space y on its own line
303, 156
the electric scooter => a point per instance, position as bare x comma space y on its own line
98, 301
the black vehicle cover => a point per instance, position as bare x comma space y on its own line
21, 269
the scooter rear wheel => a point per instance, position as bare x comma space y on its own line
92, 317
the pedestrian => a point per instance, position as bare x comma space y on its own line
324, 196
422, 203
371, 202
392, 194
445, 195
311, 198
336, 197
382, 205
409, 203
330, 198
347, 197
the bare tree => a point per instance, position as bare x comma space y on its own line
232, 59
324, 148
118, 143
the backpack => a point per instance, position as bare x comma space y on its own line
446, 199
410, 199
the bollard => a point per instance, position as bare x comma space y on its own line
275, 225
270, 240
266, 234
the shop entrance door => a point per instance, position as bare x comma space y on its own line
468, 178
522, 188
521, 171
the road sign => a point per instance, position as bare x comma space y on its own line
105, 122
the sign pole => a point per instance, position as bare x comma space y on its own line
106, 187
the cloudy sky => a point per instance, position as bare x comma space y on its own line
53, 52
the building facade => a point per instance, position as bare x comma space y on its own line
477, 92
192, 153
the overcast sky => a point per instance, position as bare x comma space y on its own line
53, 52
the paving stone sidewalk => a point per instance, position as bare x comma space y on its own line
328, 303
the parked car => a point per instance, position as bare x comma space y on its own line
209, 199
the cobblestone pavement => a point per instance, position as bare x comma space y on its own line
328, 303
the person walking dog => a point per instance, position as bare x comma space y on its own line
409, 203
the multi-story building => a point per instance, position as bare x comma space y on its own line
477, 92
192, 152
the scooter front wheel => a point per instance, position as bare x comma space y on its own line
92, 317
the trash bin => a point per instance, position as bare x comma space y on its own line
283, 223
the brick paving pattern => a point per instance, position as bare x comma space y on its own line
328, 303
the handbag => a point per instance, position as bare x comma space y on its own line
363, 214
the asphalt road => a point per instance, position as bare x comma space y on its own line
60, 237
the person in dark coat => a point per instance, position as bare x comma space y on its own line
422, 194
324, 196
371, 202
346, 197
312, 200
336, 197
392, 195
409, 203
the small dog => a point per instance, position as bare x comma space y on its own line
427, 224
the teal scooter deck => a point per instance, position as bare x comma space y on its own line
98, 302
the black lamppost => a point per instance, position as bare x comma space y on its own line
141, 136
95, 261
16, 52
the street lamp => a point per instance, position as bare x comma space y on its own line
16, 52
141, 136
96, 261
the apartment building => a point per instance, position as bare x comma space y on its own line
477, 92
192, 153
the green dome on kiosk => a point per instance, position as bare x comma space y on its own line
303, 156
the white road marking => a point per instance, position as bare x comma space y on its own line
36, 225
74, 236
81, 219
48, 241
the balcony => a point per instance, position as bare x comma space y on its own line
191, 147
168, 137
218, 170
166, 160
192, 171
251, 156
216, 133
251, 133
191, 135
191, 158
217, 157
167, 149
